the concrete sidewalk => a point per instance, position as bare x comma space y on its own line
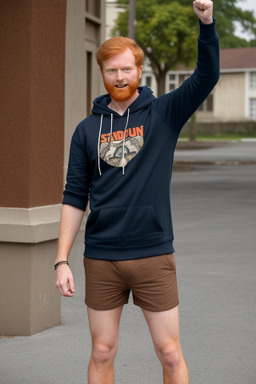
214, 215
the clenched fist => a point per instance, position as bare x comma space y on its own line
203, 10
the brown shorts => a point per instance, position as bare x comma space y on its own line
152, 281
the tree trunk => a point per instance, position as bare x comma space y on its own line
192, 128
161, 84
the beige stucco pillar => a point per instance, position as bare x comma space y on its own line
31, 168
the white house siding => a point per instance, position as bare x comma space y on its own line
229, 97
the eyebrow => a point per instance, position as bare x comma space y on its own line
123, 67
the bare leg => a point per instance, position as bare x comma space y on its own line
104, 327
164, 329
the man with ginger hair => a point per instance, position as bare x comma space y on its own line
121, 160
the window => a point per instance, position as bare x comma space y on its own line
148, 81
171, 82
184, 77
253, 80
93, 7
252, 111
181, 79
207, 105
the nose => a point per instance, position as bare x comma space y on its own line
119, 75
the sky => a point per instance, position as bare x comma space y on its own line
249, 5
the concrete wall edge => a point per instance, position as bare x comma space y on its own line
29, 225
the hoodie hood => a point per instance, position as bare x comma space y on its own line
100, 104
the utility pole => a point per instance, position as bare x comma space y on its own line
132, 19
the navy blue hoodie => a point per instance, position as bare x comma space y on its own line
123, 164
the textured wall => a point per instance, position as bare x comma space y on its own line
32, 102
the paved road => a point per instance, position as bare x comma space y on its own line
214, 212
218, 153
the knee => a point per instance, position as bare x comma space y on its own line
170, 355
103, 352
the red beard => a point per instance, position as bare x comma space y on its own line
122, 94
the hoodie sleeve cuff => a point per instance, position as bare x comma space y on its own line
75, 202
207, 31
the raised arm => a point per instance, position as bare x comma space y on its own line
176, 107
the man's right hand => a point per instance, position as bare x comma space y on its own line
65, 280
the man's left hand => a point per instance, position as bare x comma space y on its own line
203, 10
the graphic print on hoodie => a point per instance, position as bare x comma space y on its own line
120, 147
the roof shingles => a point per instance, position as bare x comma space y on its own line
238, 58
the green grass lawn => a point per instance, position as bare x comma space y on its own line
221, 136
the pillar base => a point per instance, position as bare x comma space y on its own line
29, 300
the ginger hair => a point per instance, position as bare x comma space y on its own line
115, 46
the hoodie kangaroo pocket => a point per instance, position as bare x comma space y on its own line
122, 227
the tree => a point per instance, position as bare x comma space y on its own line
167, 31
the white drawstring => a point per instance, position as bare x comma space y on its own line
127, 120
101, 121
111, 126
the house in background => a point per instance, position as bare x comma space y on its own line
233, 98
236, 91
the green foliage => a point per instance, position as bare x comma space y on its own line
219, 136
167, 35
